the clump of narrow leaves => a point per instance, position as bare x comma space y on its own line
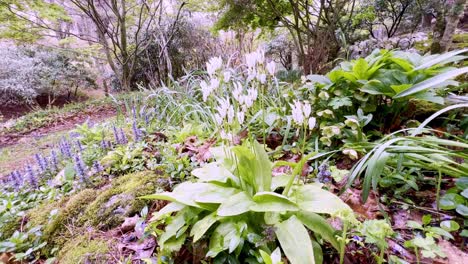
243, 213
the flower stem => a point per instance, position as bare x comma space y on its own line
343, 241
439, 180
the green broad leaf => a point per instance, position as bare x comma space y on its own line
465, 193
449, 225
254, 166
336, 75
432, 82
429, 96
426, 219
360, 68
235, 205
311, 198
462, 183
295, 241
272, 218
440, 231
414, 225
400, 88
183, 193
338, 102
200, 227
280, 181
168, 209
319, 225
462, 209
464, 233
172, 228
314, 78
214, 172
404, 64
376, 87
264, 167
272, 202
266, 258
175, 244
318, 253
216, 194
222, 236
450, 201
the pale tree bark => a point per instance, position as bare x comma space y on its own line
452, 19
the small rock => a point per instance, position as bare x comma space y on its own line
129, 223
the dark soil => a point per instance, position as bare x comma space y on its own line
65, 123
14, 111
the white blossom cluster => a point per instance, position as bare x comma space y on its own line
232, 108
301, 114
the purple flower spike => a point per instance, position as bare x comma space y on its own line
116, 134
65, 148
79, 146
137, 133
53, 160
41, 162
80, 167
32, 177
123, 137
98, 167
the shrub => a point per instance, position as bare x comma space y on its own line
27, 72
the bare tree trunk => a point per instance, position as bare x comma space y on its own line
452, 19
438, 29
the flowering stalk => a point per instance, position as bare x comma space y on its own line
80, 167
41, 162
53, 160
32, 177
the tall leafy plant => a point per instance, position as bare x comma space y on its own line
238, 208
380, 85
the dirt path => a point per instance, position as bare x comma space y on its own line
66, 123
17, 149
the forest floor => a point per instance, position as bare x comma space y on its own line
17, 148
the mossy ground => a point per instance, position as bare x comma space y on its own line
85, 249
91, 209
120, 200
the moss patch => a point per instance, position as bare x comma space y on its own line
55, 230
460, 41
83, 249
120, 200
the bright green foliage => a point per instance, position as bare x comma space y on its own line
378, 88
235, 204
427, 244
401, 158
24, 20
456, 199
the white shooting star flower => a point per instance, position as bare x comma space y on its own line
213, 65
312, 122
271, 68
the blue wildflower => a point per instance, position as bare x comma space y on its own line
123, 137
32, 176
116, 134
97, 167
137, 133
65, 148
324, 174
79, 146
53, 160
41, 162
80, 167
